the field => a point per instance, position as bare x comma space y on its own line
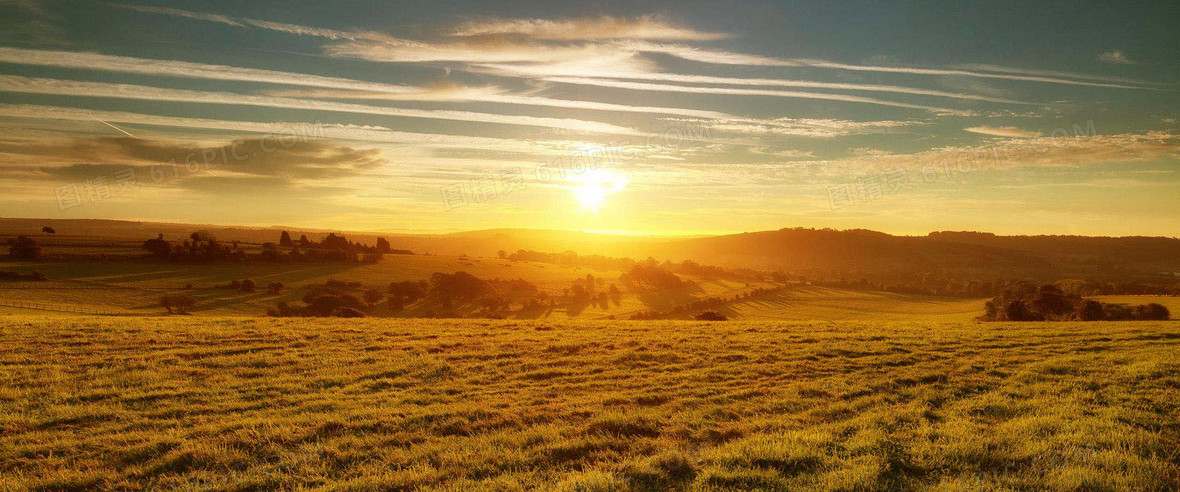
205, 403
133, 286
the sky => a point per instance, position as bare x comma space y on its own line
665, 118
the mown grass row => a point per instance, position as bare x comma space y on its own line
260, 404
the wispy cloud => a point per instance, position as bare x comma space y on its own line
766, 82
642, 86
1116, 57
34, 85
603, 27
181, 69
372, 134
244, 22
803, 127
961, 73
1003, 131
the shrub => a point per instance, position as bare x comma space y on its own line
347, 312
373, 296
1116, 312
274, 288
247, 285
1017, 310
327, 304
1088, 310
1151, 312
710, 316
23, 248
182, 303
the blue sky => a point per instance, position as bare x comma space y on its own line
664, 118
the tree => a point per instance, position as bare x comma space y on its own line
1017, 310
48, 230
502, 254
285, 240
23, 248
203, 236
710, 316
382, 245
247, 286
373, 296
1151, 312
1089, 310
304, 241
274, 288
158, 247
347, 312
270, 251
182, 303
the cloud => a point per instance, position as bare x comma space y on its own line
1003, 131
244, 22
741, 92
803, 127
589, 28
362, 133
267, 156
1116, 57
1024, 152
961, 73
180, 69
34, 85
706, 79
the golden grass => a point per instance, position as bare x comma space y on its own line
306, 404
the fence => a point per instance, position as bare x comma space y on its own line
61, 309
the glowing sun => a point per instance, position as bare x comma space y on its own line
593, 186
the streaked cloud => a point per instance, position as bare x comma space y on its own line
1003, 131
181, 69
641, 86
589, 28
34, 85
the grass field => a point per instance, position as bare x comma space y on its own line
134, 287
302, 404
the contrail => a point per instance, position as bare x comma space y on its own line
125, 132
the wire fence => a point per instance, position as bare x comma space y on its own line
40, 306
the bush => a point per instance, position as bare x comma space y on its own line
1088, 310
1017, 310
347, 312
23, 248
1117, 312
373, 296
327, 304
710, 316
1151, 312
274, 288
182, 303
247, 285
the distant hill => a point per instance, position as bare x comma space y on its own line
870, 251
792, 249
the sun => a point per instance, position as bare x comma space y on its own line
595, 185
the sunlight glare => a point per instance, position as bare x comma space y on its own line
593, 186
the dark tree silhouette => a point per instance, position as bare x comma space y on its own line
158, 247
48, 230
23, 248
710, 316
285, 240
182, 303
382, 245
1151, 312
